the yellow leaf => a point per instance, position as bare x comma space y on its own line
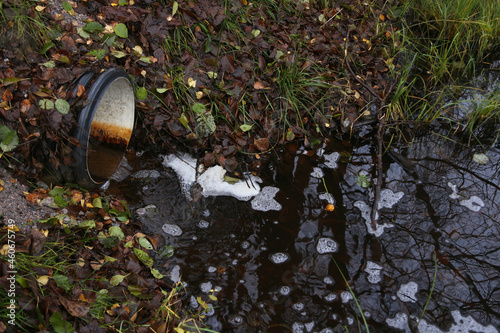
39, 8
191, 82
43, 280
81, 262
199, 94
45, 232
137, 50
4, 250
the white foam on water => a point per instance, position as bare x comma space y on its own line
175, 274
331, 160
172, 229
309, 326
400, 321
264, 201
345, 296
185, 168
203, 224
480, 158
236, 320
389, 198
299, 306
212, 180
279, 257
455, 194
406, 292
330, 297
206, 287
373, 270
462, 324
326, 245
474, 203
213, 184
366, 215
284, 290
212, 269
328, 280
317, 173
328, 197
298, 328
146, 174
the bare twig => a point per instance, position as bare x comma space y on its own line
380, 136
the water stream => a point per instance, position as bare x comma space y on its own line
275, 262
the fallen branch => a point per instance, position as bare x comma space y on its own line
380, 139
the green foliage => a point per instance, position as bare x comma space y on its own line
121, 30
93, 26
59, 324
141, 93
62, 106
143, 257
8, 139
62, 281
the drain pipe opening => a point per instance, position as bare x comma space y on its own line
105, 127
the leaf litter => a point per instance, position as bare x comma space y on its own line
228, 81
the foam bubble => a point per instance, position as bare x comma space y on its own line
175, 274
299, 306
203, 224
208, 310
400, 321
328, 280
206, 287
406, 292
473, 203
462, 324
366, 215
330, 297
326, 245
284, 290
389, 198
298, 328
309, 326
279, 257
213, 184
480, 158
328, 197
185, 168
236, 320
146, 174
212, 180
264, 201
317, 173
345, 296
212, 269
172, 229
373, 271
331, 160
455, 194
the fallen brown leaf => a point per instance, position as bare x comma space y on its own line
76, 309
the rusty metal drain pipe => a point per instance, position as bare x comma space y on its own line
105, 127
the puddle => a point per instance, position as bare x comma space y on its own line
271, 260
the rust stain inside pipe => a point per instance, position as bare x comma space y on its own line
107, 145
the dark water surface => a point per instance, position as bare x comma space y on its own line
276, 271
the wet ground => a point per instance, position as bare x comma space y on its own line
431, 265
